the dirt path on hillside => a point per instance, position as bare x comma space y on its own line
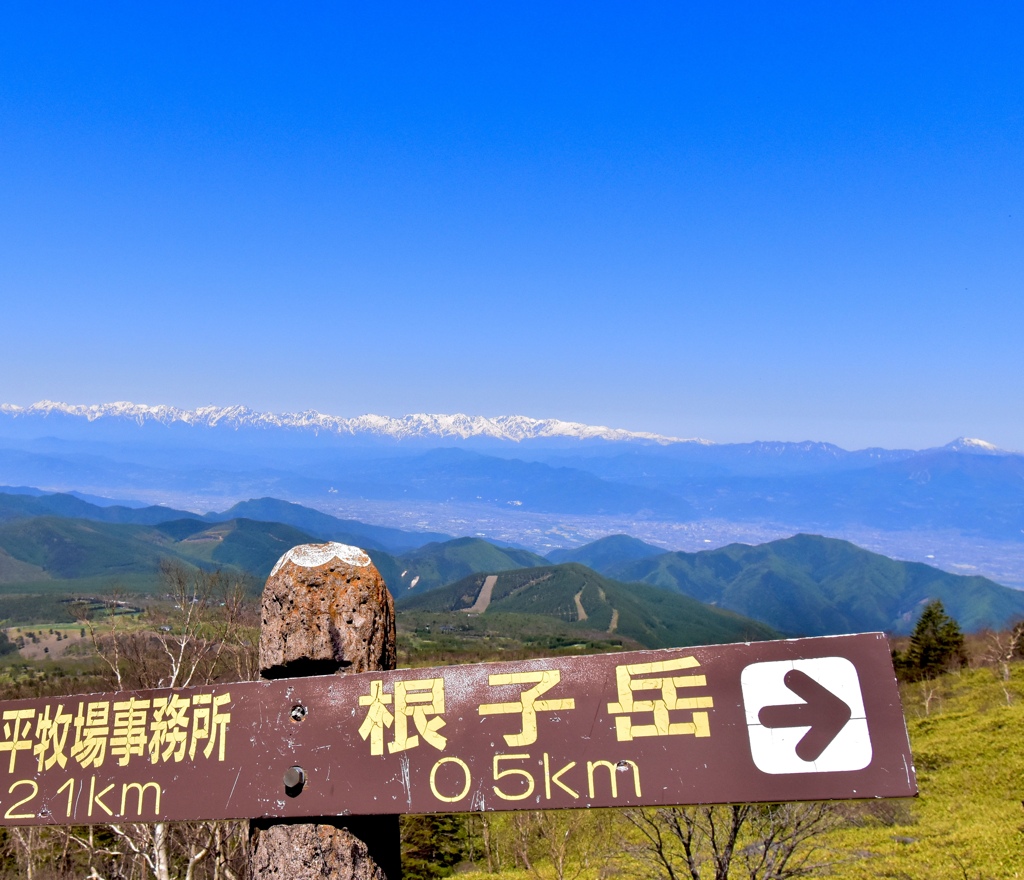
614, 625
484, 599
582, 615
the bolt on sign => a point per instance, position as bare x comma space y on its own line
807, 719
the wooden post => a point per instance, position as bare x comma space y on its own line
326, 611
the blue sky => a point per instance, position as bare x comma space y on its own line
748, 221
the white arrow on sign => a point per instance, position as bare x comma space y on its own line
805, 716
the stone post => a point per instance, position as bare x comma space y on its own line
326, 611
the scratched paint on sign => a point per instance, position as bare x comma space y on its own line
769, 721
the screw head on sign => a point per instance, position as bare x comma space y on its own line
298, 712
294, 777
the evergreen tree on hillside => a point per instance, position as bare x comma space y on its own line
432, 845
936, 645
1017, 639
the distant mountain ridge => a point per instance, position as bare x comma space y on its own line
804, 585
267, 510
458, 425
534, 483
811, 585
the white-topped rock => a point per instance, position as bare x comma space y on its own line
315, 555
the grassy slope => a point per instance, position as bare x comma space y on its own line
246, 545
968, 821
428, 638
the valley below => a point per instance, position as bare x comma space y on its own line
948, 549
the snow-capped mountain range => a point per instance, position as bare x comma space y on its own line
419, 425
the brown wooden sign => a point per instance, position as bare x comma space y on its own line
808, 719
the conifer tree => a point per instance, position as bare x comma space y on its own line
936, 645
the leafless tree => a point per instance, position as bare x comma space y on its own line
569, 843
753, 841
1001, 649
204, 631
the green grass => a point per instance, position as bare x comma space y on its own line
70, 548
968, 821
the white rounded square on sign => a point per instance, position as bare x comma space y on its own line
805, 716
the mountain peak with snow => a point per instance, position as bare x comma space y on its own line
973, 445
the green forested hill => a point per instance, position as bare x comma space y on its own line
244, 544
809, 585
15, 506
62, 548
805, 585
54, 555
327, 527
584, 600
439, 563
61, 552
603, 554
268, 510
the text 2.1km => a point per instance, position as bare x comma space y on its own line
806, 719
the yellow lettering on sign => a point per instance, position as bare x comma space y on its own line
628, 682
465, 771
70, 786
141, 791
378, 716
91, 732
95, 799
17, 733
209, 723
550, 777
168, 731
417, 700
10, 814
527, 706
129, 736
512, 771
51, 738
612, 770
